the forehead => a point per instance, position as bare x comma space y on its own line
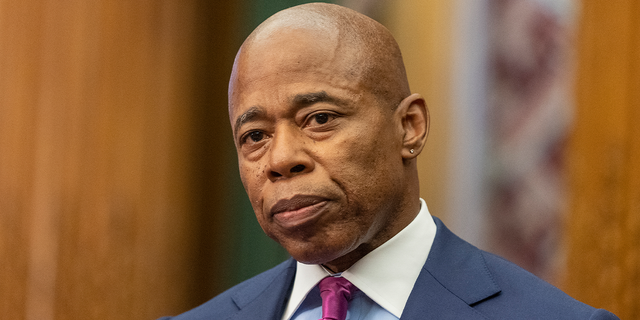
281, 65
287, 49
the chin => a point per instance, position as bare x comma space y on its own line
310, 256
314, 259
309, 253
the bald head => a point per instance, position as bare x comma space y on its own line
364, 50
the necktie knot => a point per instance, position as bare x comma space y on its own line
336, 292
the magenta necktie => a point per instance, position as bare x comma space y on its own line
336, 292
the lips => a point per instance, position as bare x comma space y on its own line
297, 210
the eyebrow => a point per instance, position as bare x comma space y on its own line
306, 99
251, 114
299, 101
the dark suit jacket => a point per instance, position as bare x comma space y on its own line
458, 281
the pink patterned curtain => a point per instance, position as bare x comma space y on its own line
529, 116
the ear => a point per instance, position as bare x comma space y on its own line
415, 125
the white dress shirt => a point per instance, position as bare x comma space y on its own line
385, 276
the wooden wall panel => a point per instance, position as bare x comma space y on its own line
603, 228
97, 183
15, 157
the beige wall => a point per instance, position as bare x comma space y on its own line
424, 31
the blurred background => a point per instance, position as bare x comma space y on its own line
119, 189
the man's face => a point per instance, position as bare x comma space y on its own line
319, 157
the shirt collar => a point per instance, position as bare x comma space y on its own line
386, 274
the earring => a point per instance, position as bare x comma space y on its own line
411, 151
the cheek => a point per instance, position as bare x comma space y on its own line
362, 154
253, 178
367, 166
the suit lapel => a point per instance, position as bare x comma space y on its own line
454, 278
433, 301
266, 300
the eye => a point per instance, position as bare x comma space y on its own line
256, 136
252, 137
321, 118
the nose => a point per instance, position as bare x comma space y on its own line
288, 156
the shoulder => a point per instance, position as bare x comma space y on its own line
229, 302
497, 288
525, 296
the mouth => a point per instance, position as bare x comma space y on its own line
298, 210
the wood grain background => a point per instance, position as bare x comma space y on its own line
112, 112
603, 227
103, 148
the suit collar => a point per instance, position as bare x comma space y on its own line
386, 275
266, 299
454, 278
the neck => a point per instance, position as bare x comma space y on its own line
410, 210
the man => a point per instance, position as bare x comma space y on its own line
327, 134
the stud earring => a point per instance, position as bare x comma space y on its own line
411, 151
